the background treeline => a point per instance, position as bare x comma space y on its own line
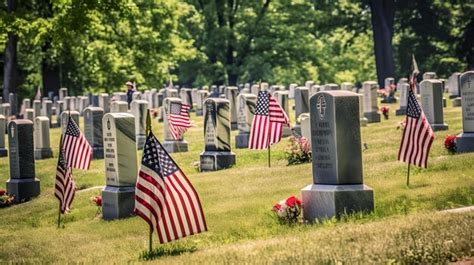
91, 45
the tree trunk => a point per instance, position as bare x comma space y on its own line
10, 71
383, 14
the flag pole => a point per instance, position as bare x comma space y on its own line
408, 175
148, 130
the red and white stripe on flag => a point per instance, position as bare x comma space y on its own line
267, 123
165, 198
77, 151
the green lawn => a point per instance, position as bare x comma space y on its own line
404, 228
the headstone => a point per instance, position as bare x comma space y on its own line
22, 183
65, 119
118, 197
305, 125
291, 91
429, 75
201, 96
93, 130
347, 86
431, 91
13, 100
231, 94
170, 144
30, 115
282, 98
217, 154
41, 138
119, 107
338, 186
62, 93
390, 88
370, 101
362, 118
37, 107
139, 111
3, 150
465, 140
403, 89
104, 102
301, 105
245, 110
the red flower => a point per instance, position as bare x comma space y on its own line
97, 200
2, 192
291, 201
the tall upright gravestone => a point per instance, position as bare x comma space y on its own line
41, 138
338, 186
170, 144
23, 183
93, 130
245, 110
231, 94
217, 153
3, 150
301, 105
431, 91
370, 102
465, 140
118, 197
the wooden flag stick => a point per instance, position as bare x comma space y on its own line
408, 175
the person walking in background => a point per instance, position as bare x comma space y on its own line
130, 89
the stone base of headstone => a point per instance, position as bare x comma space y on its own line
117, 202
97, 152
465, 142
372, 116
233, 126
401, 112
199, 112
175, 146
43, 153
389, 100
287, 131
141, 139
327, 201
242, 140
23, 189
456, 102
439, 127
363, 122
213, 160
297, 129
3, 152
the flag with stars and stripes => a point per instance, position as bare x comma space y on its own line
77, 150
64, 188
268, 121
417, 135
164, 197
178, 119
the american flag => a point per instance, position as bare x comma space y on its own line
178, 119
77, 151
65, 188
268, 121
164, 197
417, 135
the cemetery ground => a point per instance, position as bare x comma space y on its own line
407, 225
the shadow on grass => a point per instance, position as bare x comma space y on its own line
167, 250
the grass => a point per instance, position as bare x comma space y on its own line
404, 228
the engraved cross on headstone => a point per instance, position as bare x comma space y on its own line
321, 106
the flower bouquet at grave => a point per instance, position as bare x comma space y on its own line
97, 201
288, 210
385, 111
299, 150
6, 199
450, 143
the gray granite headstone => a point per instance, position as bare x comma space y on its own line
139, 111
23, 183
465, 140
65, 119
431, 91
231, 94
93, 130
217, 153
41, 138
3, 150
370, 101
104, 102
118, 197
170, 144
403, 89
337, 187
245, 111
119, 107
